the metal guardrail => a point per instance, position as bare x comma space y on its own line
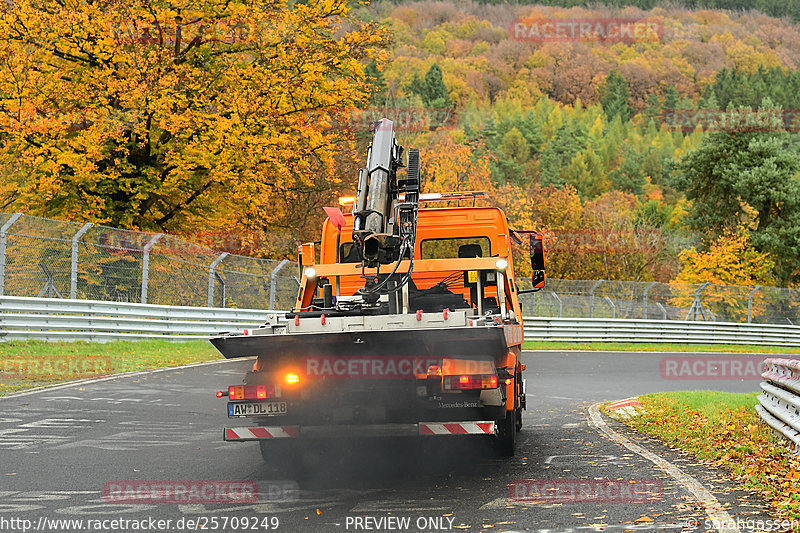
55, 319
779, 403
640, 331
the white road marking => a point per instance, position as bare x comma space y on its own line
104, 509
61, 423
401, 506
571, 456
553, 397
711, 505
81, 382
497, 503
263, 508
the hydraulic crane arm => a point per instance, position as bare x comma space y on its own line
384, 228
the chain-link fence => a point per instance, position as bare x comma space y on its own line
58, 259
663, 301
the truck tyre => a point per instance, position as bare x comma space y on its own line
518, 411
507, 434
277, 455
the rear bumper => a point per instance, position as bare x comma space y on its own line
239, 434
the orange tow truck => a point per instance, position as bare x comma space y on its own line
408, 324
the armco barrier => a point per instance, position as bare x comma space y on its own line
62, 319
55, 319
779, 402
672, 331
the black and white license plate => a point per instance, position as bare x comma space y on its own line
257, 409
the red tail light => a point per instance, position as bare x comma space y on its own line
253, 392
470, 382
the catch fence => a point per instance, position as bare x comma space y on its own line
42, 257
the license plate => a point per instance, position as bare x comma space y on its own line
257, 409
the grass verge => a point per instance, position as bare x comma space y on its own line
658, 347
725, 430
27, 364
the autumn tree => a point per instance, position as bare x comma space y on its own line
376, 83
433, 90
614, 96
452, 167
729, 260
747, 178
165, 115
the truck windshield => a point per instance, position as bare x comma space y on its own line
455, 247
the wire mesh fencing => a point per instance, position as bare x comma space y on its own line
57, 259
663, 301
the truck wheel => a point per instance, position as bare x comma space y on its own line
518, 411
277, 455
507, 435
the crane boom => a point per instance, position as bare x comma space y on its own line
383, 226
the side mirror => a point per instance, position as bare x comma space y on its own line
537, 261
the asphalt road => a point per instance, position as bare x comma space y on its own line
61, 448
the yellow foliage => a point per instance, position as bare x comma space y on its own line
142, 115
730, 260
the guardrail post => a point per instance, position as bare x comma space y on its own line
272, 282
613, 307
750, 303
73, 270
211, 270
646, 292
146, 263
3, 240
591, 297
560, 306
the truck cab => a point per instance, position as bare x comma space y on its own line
407, 322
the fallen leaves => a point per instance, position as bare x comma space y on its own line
729, 436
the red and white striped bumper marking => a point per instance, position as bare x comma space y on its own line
260, 433
457, 428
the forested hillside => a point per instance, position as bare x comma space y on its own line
576, 138
659, 156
